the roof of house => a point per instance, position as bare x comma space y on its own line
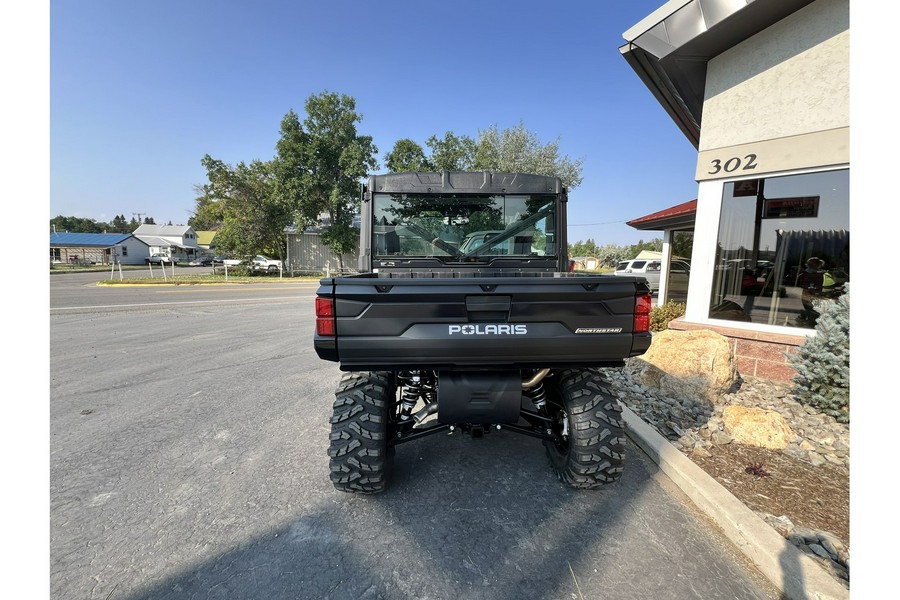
163, 230
87, 240
152, 240
205, 238
680, 216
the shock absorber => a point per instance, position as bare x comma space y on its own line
429, 392
538, 396
533, 388
412, 390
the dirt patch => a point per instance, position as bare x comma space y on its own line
772, 482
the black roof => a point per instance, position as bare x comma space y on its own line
465, 182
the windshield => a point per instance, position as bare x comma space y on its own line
464, 227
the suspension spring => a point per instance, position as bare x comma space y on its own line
538, 396
412, 391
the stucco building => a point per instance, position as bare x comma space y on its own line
762, 89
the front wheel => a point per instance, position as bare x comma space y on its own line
361, 460
589, 451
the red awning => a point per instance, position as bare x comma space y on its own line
681, 216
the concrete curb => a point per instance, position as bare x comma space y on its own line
797, 576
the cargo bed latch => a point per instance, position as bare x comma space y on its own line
487, 309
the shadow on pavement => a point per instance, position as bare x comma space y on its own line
478, 519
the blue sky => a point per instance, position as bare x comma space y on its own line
140, 91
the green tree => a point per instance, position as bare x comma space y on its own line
654, 245
254, 216
452, 152
683, 243
407, 155
583, 248
119, 225
822, 363
511, 150
610, 254
321, 164
208, 213
62, 224
518, 150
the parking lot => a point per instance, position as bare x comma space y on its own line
188, 429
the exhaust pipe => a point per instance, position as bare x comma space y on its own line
424, 413
538, 377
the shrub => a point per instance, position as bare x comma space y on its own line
823, 362
661, 315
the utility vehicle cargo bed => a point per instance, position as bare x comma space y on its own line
446, 320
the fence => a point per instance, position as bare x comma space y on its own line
307, 254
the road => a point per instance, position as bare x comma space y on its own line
188, 429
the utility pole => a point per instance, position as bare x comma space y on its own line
139, 216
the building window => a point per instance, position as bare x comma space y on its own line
680, 267
783, 248
55, 254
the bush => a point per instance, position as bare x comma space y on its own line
823, 362
661, 315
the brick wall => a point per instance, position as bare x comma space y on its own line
756, 353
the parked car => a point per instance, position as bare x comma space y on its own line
201, 261
160, 259
649, 269
264, 263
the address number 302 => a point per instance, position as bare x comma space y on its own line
748, 163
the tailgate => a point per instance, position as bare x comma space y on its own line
498, 322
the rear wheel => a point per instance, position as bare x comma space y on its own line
587, 418
361, 460
273, 269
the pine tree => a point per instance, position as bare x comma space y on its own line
823, 362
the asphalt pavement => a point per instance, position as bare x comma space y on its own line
188, 429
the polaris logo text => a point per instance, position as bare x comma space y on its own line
489, 329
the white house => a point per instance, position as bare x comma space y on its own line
177, 241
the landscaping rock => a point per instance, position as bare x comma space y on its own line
686, 364
757, 427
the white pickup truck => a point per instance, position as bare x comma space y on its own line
257, 263
649, 269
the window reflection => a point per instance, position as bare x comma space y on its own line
680, 266
470, 228
783, 248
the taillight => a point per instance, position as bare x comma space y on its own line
325, 317
643, 306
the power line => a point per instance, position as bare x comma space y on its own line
592, 224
